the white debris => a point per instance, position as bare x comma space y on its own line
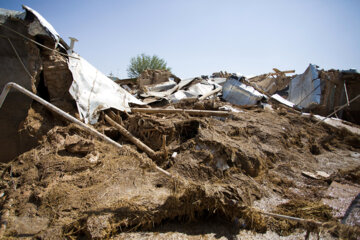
338, 123
93, 157
230, 109
282, 100
93, 91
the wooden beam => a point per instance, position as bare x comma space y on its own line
216, 90
188, 111
153, 155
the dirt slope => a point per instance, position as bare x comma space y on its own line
74, 186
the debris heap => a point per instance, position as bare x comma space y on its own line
158, 155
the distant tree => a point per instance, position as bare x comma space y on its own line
143, 62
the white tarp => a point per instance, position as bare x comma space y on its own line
48, 27
177, 92
304, 90
93, 91
239, 93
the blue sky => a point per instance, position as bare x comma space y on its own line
199, 37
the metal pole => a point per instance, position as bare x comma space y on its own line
54, 109
72, 43
289, 217
64, 114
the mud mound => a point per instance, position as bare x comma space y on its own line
74, 186
71, 183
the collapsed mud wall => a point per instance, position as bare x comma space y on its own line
37, 69
14, 110
337, 87
57, 80
353, 88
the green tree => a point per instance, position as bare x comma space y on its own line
143, 62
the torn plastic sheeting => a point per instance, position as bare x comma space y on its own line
200, 89
238, 93
194, 91
304, 90
162, 86
93, 91
162, 94
175, 94
47, 26
167, 93
282, 100
181, 94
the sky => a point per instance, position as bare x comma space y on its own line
199, 37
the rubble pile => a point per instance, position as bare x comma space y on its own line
162, 157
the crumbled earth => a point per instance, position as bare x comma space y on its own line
224, 172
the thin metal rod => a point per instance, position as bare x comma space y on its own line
33, 41
54, 109
346, 93
290, 218
343, 106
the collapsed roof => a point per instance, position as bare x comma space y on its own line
36, 57
194, 161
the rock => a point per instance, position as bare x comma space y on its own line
76, 144
309, 175
318, 175
28, 225
322, 174
98, 226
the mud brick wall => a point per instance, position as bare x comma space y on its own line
16, 105
57, 79
50, 79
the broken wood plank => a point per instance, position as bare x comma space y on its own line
210, 93
152, 154
277, 71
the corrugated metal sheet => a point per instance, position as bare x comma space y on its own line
239, 93
305, 90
